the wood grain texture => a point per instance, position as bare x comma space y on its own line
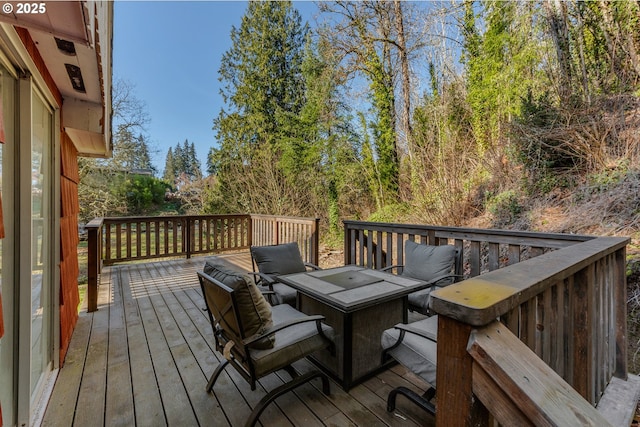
150, 327
533, 387
456, 403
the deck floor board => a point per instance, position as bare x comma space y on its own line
144, 359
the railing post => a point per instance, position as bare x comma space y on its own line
94, 261
189, 230
250, 231
620, 301
347, 243
276, 232
456, 404
315, 241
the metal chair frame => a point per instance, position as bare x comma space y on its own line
232, 343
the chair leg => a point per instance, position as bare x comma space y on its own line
412, 396
216, 374
429, 394
278, 391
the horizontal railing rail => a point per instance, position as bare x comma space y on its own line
126, 239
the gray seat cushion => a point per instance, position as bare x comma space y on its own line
291, 343
421, 299
427, 262
416, 353
284, 294
254, 310
278, 259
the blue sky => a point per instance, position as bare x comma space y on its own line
170, 51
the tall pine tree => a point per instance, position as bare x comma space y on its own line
169, 167
263, 92
182, 161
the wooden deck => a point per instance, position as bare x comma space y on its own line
143, 359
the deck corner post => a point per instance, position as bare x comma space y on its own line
94, 262
620, 304
315, 241
457, 405
189, 235
347, 243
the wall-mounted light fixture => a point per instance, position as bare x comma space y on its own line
75, 75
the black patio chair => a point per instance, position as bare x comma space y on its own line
276, 260
438, 265
414, 346
257, 339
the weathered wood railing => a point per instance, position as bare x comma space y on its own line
273, 230
140, 238
568, 307
377, 245
562, 296
112, 240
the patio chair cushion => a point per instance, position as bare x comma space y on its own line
421, 300
416, 353
254, 311
427, 262
284, 294
291, 343
278, 259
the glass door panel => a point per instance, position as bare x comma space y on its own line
7, 182
41, 328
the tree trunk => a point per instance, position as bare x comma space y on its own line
406, 78
557, 17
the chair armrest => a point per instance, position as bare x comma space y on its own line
312, 266
410, 329
391, 267
434, 281
269, 280
272, 330
404, 329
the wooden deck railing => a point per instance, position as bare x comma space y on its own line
568, 307
377, 245
113, 240
563, 297
273, 230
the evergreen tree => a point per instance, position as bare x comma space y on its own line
178, 160
129, 152
195, 163
182, 161
143, 157
263, 92
169, 167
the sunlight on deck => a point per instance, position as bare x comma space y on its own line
145, 356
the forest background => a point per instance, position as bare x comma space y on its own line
492, 114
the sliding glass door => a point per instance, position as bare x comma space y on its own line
41, 209
7, 259
27, 252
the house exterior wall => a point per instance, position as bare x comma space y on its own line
69, 269
41, 231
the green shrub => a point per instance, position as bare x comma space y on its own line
143, 192
390, 213
505, 208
